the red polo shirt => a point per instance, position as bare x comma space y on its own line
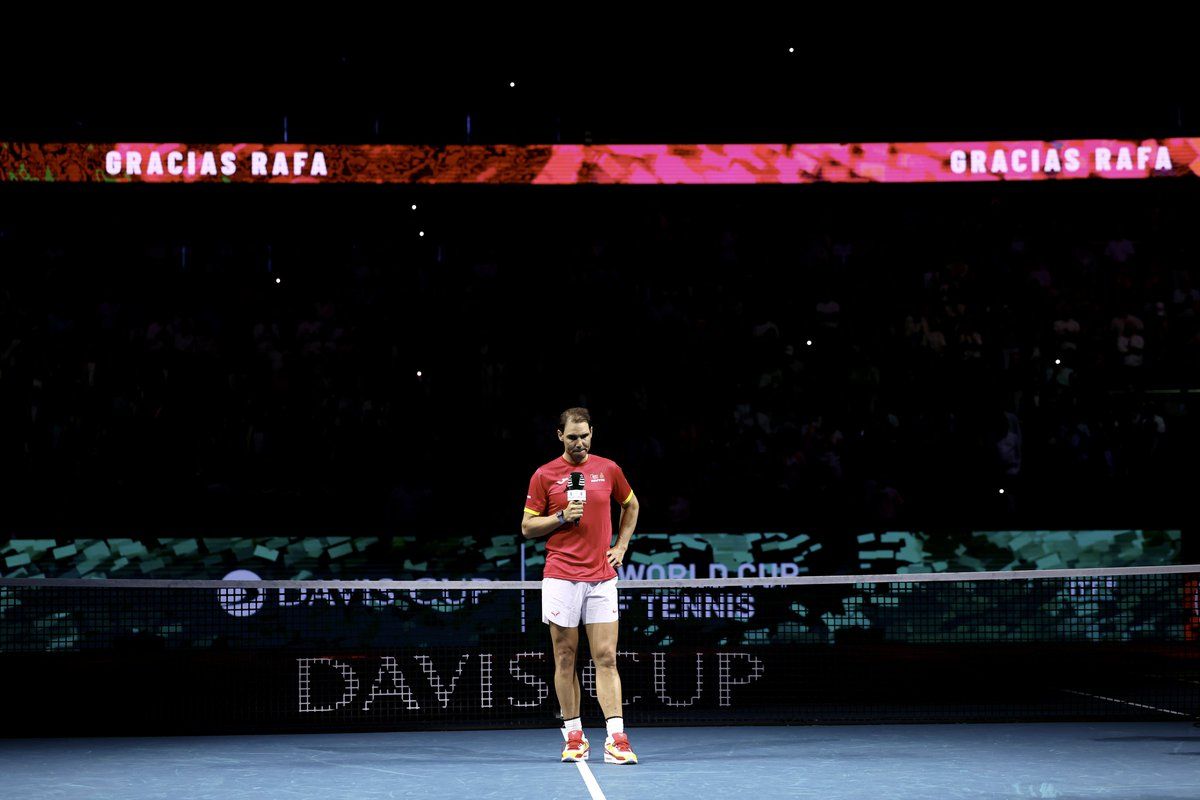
576, 552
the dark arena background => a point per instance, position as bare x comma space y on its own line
904, 374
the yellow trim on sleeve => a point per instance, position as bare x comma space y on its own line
534, 513
626, 501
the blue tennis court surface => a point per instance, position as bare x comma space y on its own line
1130, 761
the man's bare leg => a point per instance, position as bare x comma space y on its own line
602, 639
566, 681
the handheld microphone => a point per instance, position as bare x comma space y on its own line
576, 490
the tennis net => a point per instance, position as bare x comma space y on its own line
205, 656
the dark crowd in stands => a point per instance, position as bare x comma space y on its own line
755, 358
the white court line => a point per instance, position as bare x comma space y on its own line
1127, 703
589, 780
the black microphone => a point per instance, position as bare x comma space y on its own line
576, 490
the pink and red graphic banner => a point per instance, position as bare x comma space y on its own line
571, 164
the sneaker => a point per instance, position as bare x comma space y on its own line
618, 751
576, 747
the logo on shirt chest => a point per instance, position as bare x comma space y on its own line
596, 483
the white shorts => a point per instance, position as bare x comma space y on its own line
565, 603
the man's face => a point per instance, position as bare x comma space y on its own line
577, 441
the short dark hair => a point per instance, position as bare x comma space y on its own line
574, 415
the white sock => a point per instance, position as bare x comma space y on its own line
615, 725
572, 724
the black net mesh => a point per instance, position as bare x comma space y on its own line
204, 656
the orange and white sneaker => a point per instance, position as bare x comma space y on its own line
618, 751
576, 747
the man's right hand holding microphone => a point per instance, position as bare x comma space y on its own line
573, 512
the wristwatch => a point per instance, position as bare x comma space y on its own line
562, 518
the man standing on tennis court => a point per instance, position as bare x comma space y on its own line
579, 583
